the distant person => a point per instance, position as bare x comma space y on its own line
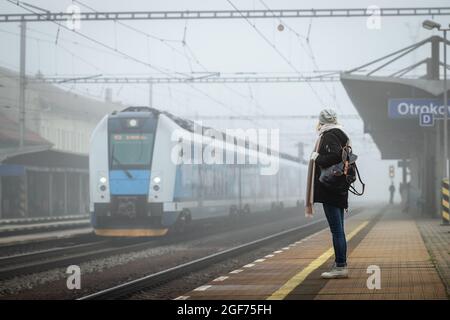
327, 152
392, 192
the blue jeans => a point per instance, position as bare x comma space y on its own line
335, 217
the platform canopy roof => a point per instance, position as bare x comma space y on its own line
372, 86
9, 139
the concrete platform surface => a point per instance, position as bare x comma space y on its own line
390, 256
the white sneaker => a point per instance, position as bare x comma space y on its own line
335, 273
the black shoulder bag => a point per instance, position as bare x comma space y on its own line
332, 176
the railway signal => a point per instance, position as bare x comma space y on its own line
391, 171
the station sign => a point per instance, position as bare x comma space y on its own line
11, 170
413, 108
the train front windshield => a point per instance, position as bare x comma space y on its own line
131, 150
131, 143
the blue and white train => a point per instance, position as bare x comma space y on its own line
137, 189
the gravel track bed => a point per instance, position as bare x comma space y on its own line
103, 273
181, 286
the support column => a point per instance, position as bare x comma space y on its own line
430, 177
80, 194
1, 198
50, 194
421, 178
22, 83
66, 193
406, 191
23, 196
439, 167
434, 151
406, 186
427, 178
433, 63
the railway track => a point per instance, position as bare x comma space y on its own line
159, 278
46, 259
38, 261
43, 260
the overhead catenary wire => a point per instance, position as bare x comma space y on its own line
159, 69
148, 35
61, 39
68, 87
197, 61
197, 90
310, 54
115, 50
100, 43
274, 47
185, 45
277, 51
58, 44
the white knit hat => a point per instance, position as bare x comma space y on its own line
327, 116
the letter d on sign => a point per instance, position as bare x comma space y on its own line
374, 280
74, 279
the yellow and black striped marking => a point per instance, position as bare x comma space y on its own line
445, 201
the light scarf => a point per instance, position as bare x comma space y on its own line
309, 203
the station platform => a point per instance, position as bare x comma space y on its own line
411, 254
43, 236
47, 226
14, 234
19, 221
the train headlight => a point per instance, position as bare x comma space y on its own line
103, 180
156, 179
132, 123
156, 187
102, 187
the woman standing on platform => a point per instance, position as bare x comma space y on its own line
327, 152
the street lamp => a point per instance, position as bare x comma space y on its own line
430, 25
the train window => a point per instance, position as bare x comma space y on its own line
131, 150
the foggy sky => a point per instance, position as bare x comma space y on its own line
225, 46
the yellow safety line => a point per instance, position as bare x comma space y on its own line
445, 191
296, 280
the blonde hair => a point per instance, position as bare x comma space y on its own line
318, 126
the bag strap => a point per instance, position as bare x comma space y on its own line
352, 189
346, 146
343, 147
